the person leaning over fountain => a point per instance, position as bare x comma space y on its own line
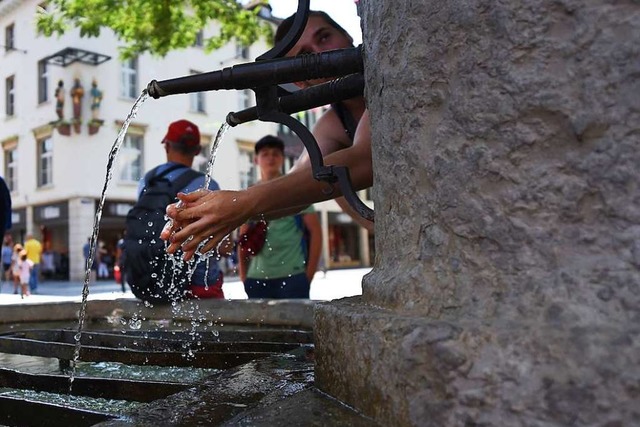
213, 215
287, 262
182, 144
336, 128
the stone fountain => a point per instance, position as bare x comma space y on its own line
505, 289
506, 285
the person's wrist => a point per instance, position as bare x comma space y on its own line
255, 200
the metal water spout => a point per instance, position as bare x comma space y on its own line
316, 96
265, 73
274, 104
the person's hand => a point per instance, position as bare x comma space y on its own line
173, 224
200, 220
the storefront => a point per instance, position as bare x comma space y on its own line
52, 220
113, 222
112, 226
344, 242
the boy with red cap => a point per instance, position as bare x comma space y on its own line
182, 144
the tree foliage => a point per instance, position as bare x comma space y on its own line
154, 26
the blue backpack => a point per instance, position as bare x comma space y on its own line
150, 273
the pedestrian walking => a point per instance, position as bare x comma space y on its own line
34, 253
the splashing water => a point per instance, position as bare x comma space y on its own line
113, 154
199, 256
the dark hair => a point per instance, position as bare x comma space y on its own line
285, 25
190, 150
269, 141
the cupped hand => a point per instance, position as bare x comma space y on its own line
204, 218
173, 224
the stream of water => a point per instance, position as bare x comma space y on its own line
113, 155
213, 153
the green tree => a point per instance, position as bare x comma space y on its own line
154, 26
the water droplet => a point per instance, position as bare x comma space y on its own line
150, 224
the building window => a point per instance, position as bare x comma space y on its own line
43, 82
10, 88
245, 99
9, 38
199, 41
132, 158
129, 78
11, 169
45, 162
196, 99
247, 168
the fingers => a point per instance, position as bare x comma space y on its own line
200, 220
194, 196
198, 245
209, 246
178, 218
190, 237
167, 230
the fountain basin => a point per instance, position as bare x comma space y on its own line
199, 362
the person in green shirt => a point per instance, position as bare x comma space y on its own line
288, 260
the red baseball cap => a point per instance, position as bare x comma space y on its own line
183, 132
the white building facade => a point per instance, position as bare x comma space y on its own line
56, 175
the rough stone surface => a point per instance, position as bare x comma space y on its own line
411, 370
507, 200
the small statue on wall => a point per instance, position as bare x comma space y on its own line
60, 100
96, 99
77, 92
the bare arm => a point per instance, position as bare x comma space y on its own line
329, 135
215, 214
